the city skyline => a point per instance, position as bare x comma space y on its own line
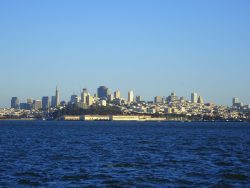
122, 94
107, 102
151, 47
105, 93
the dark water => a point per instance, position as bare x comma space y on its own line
113, 154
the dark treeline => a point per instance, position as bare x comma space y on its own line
93, 110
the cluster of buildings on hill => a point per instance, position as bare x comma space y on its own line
32, 104
132, 105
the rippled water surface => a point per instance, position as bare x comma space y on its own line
124, 154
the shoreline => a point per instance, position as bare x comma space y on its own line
148, 121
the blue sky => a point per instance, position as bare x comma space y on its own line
152, 47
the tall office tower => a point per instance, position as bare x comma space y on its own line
57, 97
138, 99
130, 96
37, 104
117, 94
74, 99
30, 104
15, 103
45, 103
89, 100
158, 99
84, 95
194, 97
53, 101
200, 100
236, 101
110, 97
103, 92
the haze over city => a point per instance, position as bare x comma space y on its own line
152, 47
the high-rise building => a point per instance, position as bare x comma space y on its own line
103, 92
138, 99
236, 101
172, 98
29, 103
194, 97
84, 95
117, 94
74, 99
15, 103
57, 97
53, 101
110, 97
200, 100
89, 100
158, 99
45, 103
130, 96
37, 104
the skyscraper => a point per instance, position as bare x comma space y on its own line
53, 101
103, 92
117, 94
57, 97
37, 104
84, 95
110, 97
30, 104
89, 100
200, 100
130, 96
236, 101
74, 99
138, 99
15, 102
194, 97
45, 102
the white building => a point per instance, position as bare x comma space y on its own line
130, 96
89, 100
117, 94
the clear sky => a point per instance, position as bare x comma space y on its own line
151, 46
